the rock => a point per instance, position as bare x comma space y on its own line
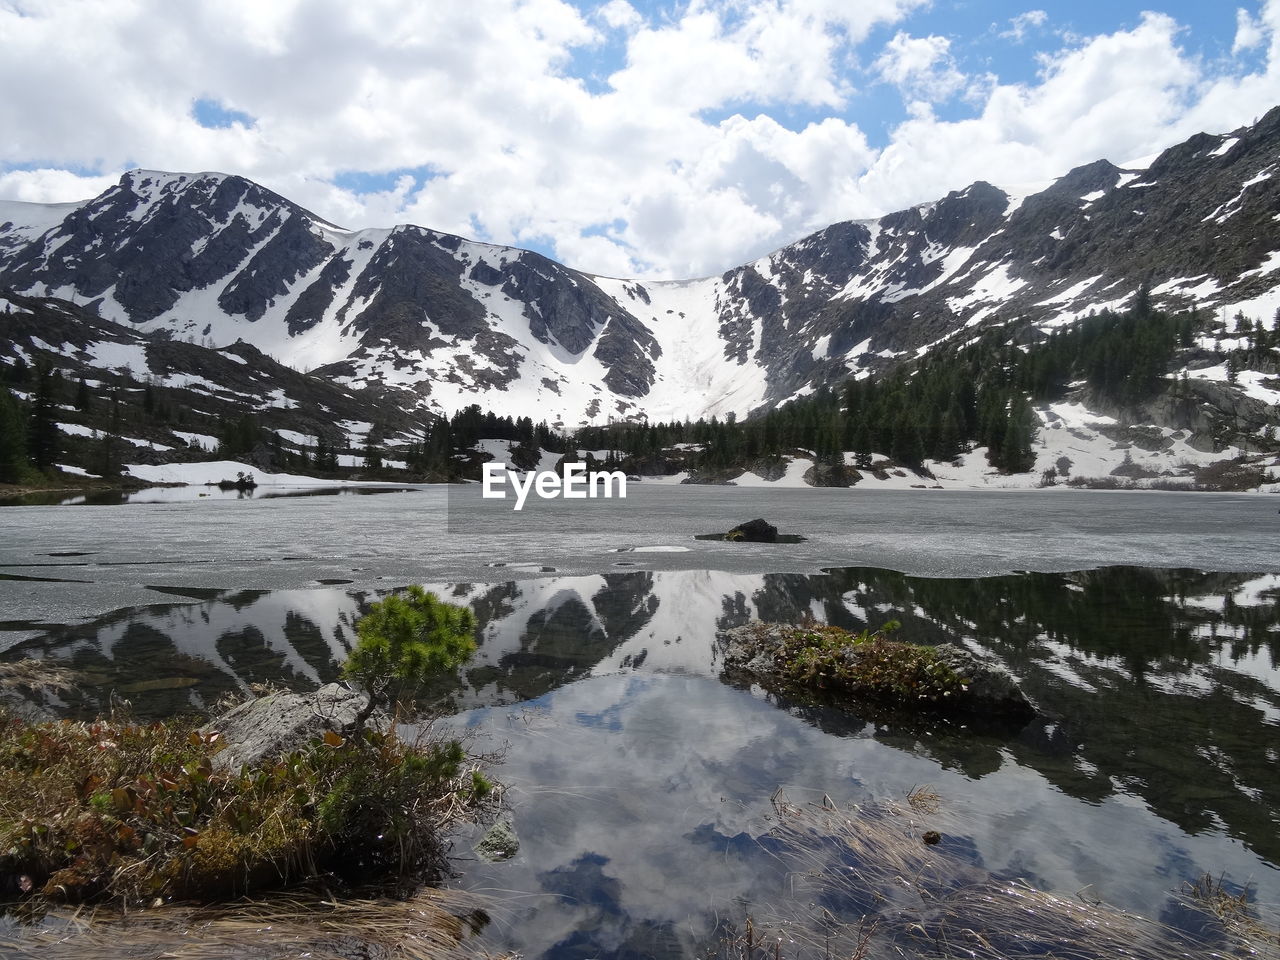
992, 688
831, 475
754, 531
759, 651
499, 842
278, 724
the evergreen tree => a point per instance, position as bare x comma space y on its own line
84, 399
13, 439
44, 438
16, 373
239, 437
838, 475
107, 454
950, 442
907, 447
1016, 453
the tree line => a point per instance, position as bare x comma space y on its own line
933, 408
939, 406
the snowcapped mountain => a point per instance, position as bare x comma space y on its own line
434, 321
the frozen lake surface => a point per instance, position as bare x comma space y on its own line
118, 553
1145, 627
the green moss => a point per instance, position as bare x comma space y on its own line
867, 663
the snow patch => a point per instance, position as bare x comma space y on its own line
120, 356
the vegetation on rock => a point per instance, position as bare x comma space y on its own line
827, 661
869, 663
130, 812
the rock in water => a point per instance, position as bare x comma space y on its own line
754, 531
280, 723
500, 842
881, 670
991, 688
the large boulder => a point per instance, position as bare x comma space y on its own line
273, 726
754, 531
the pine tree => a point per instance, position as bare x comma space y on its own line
1016, 453
326, 456
13, 439
950, 437
907, 447
108, 457
44, 437
84, 399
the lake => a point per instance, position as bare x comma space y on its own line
1145, 627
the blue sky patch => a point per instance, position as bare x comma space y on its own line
213, 115
80, 170
382, 181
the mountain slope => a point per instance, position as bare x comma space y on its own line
436, 322
150, 400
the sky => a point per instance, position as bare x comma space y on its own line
638, 138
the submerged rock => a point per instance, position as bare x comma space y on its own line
280, 723
499, 842
837, 666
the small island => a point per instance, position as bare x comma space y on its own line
843, 668
243, 482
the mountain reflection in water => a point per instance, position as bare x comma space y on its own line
1157, 687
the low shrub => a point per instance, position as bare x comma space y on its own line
131, 812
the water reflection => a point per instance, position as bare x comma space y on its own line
1159, 689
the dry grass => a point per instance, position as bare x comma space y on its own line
119, 811
1233, 911
762, 942
871, 865
923, 799
36, 676
433, 925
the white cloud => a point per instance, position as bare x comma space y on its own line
1249, 32
47, 185
620, 15
1023, 24
921, 67
688, 159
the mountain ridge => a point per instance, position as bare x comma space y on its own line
437, 321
